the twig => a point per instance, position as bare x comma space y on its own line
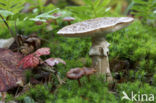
59, 79
16, 28
52, 71
17, 91
59, 85
16, 37
5, 22
3, 97
10, 30
48, 70
55, 72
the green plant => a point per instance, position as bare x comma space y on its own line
91, 9
44, 16
10, 7
137, 88
146, 9
38, 93
154, 79
95, 91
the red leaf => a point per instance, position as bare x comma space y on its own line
54, 61
10, 74
29, 61
32, 60
42, 51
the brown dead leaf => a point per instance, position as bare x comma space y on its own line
10, 74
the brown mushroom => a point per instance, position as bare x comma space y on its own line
68, 19
97, 29
88, 72
38, 22
75, 74
55, 16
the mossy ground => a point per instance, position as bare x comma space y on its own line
135, 43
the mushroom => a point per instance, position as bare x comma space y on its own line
68, 19
97, 29
56, 16
88, 72
51, 62
75, 74
38, 22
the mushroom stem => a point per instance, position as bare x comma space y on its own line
88, 78
55, 21
69, 22
79, 82
99, 53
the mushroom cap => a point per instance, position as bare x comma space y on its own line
95, 27
68, 19
75, 73
56, 15
89, 71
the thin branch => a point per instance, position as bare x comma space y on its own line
16, 28
10, 30
16, 35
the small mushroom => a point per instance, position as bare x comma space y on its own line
38, 22
68, 19
75, 74
55, 16
97, 29
53, 62
88, 72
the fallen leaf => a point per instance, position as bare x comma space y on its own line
29, 61
27, 49
42, 51
10, 74
33, 40
33, 60
54, 61
6, 43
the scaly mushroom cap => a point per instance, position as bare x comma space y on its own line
75, 73
89, 71
95, 27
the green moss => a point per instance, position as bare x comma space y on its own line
95, 91
136, 87
135, 43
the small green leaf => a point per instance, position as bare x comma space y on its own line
6, 13
28, 100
